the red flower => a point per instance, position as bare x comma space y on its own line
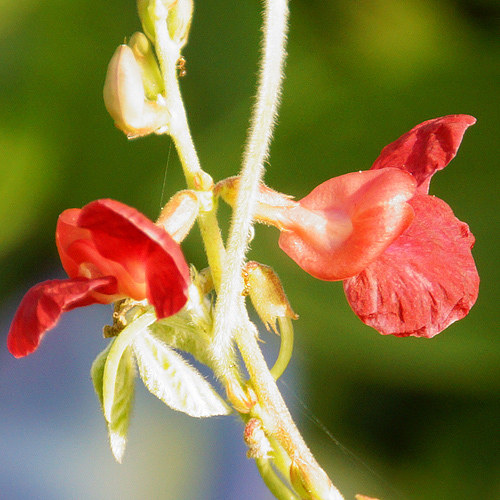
405, 258
427, 278
110, 251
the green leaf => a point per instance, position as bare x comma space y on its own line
97, 371
122, 396
173, 380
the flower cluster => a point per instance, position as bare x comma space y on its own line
403, 256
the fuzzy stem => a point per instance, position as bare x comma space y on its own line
264, 115
168, 53
275, 416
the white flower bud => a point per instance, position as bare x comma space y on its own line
125, 97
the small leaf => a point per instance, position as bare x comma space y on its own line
97, 371
178, 384
112, 364
123, 396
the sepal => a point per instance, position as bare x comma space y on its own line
266, 292
150, 71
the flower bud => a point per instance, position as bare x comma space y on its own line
256, 440
145, 57
364, 497
312, 480
266, 293
179, 214
125, 97
179, 21
177, 14
242, 399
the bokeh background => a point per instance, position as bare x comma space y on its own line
417, 419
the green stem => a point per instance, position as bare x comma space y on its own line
286, 347
273, 482
278, 422
168, 54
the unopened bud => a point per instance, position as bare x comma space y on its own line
266, 293
241, 400
145, 57
179, 214
176, 14
125, 98
311, 481
256, 440
179, 21
364, 497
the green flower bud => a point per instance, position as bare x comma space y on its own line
266, 292
145, 57
179, 21
311, 481
177, 15
125, 97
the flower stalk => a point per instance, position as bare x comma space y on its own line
271, 75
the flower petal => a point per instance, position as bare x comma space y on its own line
424, 281
347, 222
426, 148
152, 260
44, 304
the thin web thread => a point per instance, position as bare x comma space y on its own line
162, 202
307, 412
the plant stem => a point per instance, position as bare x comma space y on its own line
229, 301
168, 53
273, 482
276, 418
286, 347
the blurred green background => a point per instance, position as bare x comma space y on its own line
422, 415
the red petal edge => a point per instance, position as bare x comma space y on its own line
124, 235
426, 148
44, 304
424, 281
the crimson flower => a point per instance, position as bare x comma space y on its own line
405, 259
110, 251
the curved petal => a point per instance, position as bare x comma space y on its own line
426, 148
153, 261
67, 232
424, 281
43, 305
347, 222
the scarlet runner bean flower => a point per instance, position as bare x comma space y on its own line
110, 251
404, 258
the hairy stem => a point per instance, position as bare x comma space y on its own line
168, 54
264, 114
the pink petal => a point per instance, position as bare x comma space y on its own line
424, 281
148, 254
44, 304
426, 148
347, 222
